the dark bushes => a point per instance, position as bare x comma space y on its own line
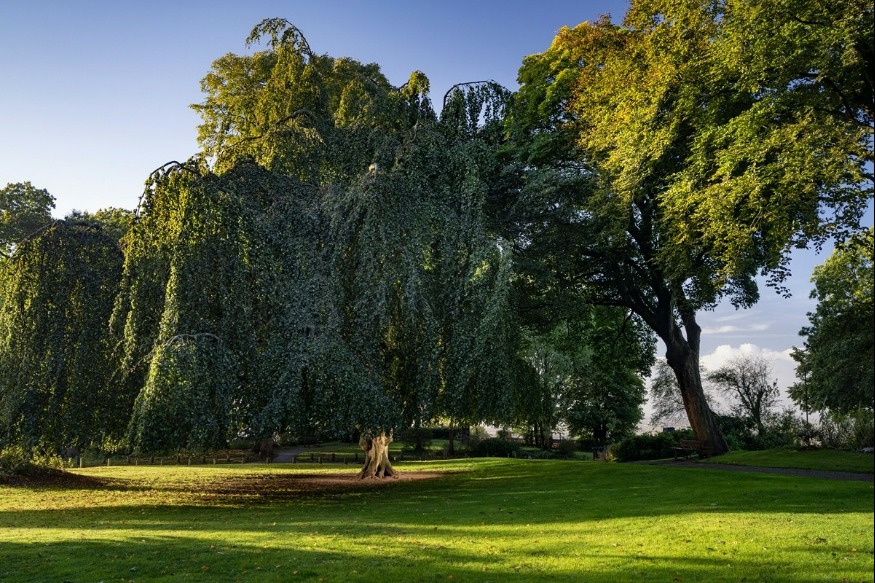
495, 447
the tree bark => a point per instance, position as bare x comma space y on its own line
682, 355
377, 464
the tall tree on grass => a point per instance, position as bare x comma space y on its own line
836, 362
59, 288
426, 288
226, 322
329, 271
678, 168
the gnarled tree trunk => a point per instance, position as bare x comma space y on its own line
682, 355
377, 464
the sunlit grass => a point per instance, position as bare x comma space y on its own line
814, 459
485, 520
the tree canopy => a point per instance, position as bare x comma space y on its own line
23, 210
835, 365
675, 168
341, 257
58, 290
320, 277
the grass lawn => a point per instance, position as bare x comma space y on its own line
480, 520
815, 459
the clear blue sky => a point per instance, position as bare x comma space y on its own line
94, 95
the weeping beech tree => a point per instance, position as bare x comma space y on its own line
58, 289
426, 287
226, 322
411, 293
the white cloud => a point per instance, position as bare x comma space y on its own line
783, 365
730, 329
732, 317
726, 352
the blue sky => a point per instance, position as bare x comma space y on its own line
94, 95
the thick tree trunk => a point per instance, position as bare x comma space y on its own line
682, 355
377, 464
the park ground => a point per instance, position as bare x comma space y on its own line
515, 520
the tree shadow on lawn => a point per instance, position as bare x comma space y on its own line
573, 492
247, 488
183, 557
278, 526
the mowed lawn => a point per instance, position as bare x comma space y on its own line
477, 520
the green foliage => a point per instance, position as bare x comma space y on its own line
238, 258
17, 462
586, 374
186, 400
852, 430
115, 222
23, 210
414, 304
59, 289
495, 447
318, 118
835, 366
649, 446
778, 429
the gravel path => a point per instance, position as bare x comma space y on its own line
790, 471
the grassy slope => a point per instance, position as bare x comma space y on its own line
816, 459
495, 520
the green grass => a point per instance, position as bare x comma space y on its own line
832, 460
484, 520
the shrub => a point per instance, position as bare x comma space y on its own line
475, 436
649, 446
567, 448
416, 438
495, 447
16, 461
852, 431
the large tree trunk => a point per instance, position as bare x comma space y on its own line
682, 355
377, 464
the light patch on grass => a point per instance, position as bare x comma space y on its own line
487, 520
832, 460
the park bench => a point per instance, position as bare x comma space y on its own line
688, 447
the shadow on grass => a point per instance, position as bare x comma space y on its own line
504, 521
187, 558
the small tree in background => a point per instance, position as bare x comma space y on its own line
23, 209
747, 381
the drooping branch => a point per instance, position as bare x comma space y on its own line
486, 83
